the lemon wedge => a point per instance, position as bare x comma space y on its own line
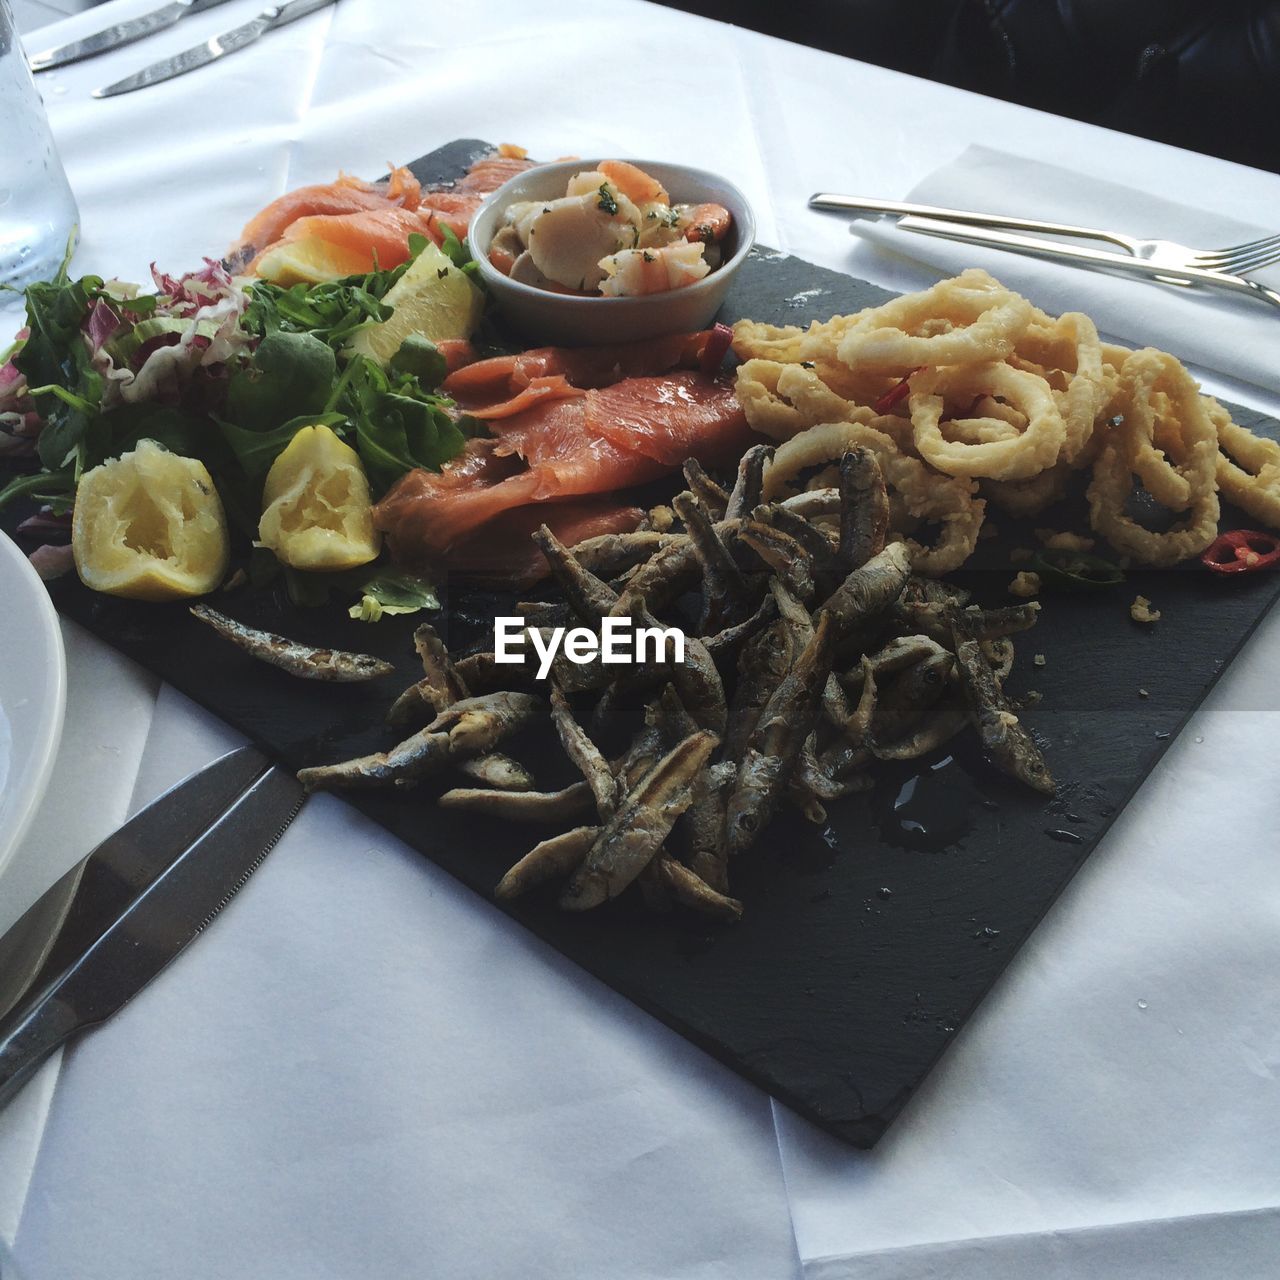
310, 260
317, 513
149, 525
433, 298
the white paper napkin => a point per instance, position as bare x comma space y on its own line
1122, 1072
363, 1069
110, 702
1204, 327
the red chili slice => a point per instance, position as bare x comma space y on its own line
1242, 551
895, 395
717, 348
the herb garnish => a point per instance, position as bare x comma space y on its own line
224, 371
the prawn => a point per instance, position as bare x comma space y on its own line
708, 223
634, 272
633, 182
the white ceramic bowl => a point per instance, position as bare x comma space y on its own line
564, 320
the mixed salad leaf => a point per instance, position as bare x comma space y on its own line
219, 369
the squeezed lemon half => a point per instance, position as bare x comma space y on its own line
433, 298
149, 525
317, 513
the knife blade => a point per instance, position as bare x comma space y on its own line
79, 908
218, 47
121, 34
111, 953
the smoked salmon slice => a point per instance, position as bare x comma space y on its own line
497, 378
605, 439
372, 237
555, 387
488, 173
346, 195
332, 212
504, 551
667, 420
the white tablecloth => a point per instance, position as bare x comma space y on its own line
363, 1069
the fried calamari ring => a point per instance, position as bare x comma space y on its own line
1109, 491
1029, 497
1003, 456
1031, 399
756, 388
990, 407
1248, 467
783, 399
969, 319
916, 491
754, 340
862, 386
1067, 353
1167, 434
986, 429
1113, 358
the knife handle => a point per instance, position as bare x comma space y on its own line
29, 1043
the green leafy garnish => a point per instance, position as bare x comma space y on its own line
458, 252
288, 376
393, 593
397, 426
233, 388
420, 357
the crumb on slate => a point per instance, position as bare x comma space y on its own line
1055, 541
661, 519
1025, 585
1141, 611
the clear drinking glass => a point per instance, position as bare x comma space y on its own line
38, 215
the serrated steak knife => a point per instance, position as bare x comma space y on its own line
99, 935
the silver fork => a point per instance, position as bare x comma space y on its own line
1164, 260
1250, 255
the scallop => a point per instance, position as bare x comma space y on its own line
570, 236
523, 271
657, 223
582, 184
520, 215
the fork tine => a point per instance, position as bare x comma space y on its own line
1270, 238
1253, 261
1235, 252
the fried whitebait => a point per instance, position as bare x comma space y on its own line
627, 844
1009, 745
549, 860
298, 659
819, 650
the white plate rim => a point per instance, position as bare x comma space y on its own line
31, 623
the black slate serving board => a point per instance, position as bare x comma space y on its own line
867, 942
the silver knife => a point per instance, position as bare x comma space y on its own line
122, 914
203, 54
122, 33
